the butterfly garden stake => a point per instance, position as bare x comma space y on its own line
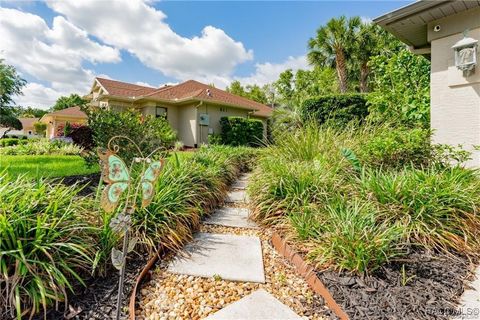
123, 185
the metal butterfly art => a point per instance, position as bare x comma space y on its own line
119, 187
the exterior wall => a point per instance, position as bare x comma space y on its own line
455, 97
54, 122
215, 113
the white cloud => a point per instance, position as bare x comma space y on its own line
269, 72
37, 95
144, 33
54, 55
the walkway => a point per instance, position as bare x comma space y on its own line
229, 271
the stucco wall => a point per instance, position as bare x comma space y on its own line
455, 98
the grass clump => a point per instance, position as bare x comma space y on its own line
44, 244
359, 197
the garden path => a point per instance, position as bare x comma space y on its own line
232, 257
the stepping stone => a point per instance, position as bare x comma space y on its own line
239, 184
231, 257
471, 296
236, 196
259, 305
231, 217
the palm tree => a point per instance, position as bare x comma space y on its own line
333, 45
370, 40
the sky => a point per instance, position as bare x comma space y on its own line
59, 47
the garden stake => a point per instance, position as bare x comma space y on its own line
118, 178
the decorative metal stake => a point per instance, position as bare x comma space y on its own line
118, 178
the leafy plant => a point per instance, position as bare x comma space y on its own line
44, 244
40, 128
42, 147
239, 131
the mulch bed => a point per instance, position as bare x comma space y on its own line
422, 285
98, 299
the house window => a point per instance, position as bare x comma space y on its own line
161, 112
223, 109
29, 132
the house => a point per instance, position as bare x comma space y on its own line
28, 130
447, 33
57, 119
193, 109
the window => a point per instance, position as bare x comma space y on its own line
223, 109
161, 112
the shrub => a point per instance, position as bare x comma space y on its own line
401, 89
214, 139
43, 147
43, 245
398, 147
40, 128
238, 131
148, 132
336, 110
82, 136
7, 142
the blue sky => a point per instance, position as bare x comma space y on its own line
60, 46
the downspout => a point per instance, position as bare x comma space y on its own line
197, 126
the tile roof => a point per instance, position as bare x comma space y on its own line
190, 89
124, 89
69, 112
28, 122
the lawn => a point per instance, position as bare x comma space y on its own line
45, 165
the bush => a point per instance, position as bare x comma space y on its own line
44, 244
40, 128
148, 132
401, 89
238, 131
82, 136
214, 139
391, 147
43, 147
336, 110
7, 142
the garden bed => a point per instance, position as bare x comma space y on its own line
421, 285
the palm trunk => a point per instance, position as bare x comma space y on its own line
364, 71
341, 71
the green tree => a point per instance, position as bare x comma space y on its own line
40, 128
72, 100
236, 88
401, 89
333, 45
285, 85
11, 85
29, 112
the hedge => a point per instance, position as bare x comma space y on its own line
336, 109
7, 142
238, 131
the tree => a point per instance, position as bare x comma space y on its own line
333, 45
371, 40
29, 112
11, 85
252, 92
72, 100
284, 85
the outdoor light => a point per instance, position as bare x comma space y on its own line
466, 53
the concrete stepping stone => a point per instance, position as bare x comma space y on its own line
231, 217
244, 177
231, 257
239, 184
259, 305
237, 196
471, 297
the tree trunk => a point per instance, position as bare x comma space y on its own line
341, 71
364, 71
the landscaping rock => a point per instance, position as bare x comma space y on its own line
237, 196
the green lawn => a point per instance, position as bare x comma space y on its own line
45, 165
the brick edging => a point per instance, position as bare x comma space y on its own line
308, 273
